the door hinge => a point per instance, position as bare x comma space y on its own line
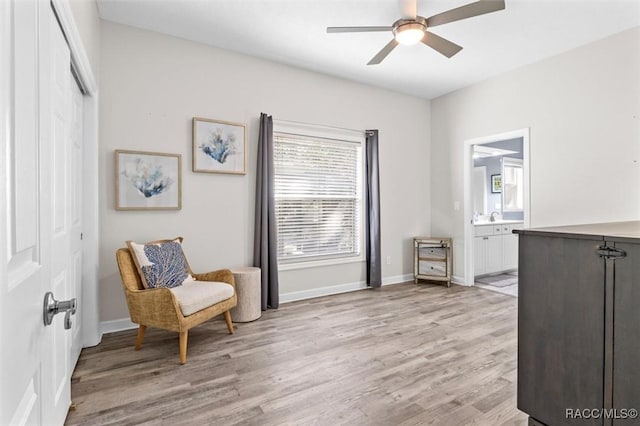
607, 252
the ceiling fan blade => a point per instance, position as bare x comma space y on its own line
467, 11
356, 29
409, 9
441, 45
383, 53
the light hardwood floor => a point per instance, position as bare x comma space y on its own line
400, 355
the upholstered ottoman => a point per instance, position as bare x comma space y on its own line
249, 291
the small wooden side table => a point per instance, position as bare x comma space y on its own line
248, 288
433, 260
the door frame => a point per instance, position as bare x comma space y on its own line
6, 65
468, 185
90, 313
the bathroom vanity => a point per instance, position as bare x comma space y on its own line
495, 247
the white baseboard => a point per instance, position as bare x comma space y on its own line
94, 340
126, 324
458, 280
321, 291
397, 279
116, 325
340, 288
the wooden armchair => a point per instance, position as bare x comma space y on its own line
159, 307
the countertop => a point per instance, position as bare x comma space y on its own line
497, 222
595, 231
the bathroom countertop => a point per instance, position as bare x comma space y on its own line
497, 222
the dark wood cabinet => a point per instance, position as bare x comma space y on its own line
579, 322
626, 331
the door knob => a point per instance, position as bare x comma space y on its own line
67, 320
52, 307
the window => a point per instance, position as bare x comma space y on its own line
318, 195
512, 185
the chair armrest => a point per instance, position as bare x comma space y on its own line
156, 307
222, 275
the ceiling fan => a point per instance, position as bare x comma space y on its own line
412, 28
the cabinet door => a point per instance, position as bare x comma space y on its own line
509, 251
494, 254
479, 255
560, 328
626, 349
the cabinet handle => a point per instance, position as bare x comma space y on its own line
611, 253
485, 238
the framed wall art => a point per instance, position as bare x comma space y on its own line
219, 146
148, 181
496, 184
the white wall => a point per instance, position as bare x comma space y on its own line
151, 87
583, 108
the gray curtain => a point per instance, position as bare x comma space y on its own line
265, 247
374, 271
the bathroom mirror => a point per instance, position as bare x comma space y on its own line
480, 190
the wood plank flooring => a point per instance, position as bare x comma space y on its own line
400, 355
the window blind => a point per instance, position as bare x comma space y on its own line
317, 197
512, 185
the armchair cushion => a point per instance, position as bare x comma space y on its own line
197, 295
161, 263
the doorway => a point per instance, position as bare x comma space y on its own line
501, 161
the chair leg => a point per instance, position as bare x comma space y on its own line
183, 346
141, 331
227, 318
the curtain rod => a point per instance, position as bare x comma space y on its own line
318, 125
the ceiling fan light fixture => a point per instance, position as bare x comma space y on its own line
412, 28
410, 33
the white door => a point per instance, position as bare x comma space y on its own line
36, 225
65, 265
76, 211
25, 266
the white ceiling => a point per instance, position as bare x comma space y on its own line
293, 32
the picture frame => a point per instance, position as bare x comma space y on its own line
148, 180
219, 146
496, 184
